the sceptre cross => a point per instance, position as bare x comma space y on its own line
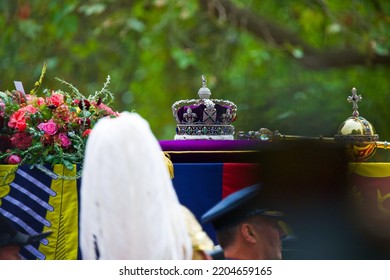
354, 99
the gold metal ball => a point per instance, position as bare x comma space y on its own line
359, 136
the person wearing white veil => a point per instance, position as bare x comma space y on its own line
129, 208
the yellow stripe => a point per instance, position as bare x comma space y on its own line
370, 169
7, 175
63, 242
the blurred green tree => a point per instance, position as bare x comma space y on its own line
288, 65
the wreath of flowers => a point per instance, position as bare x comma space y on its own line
49, 127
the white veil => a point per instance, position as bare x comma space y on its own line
129, 209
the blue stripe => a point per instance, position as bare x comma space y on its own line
28, 210
36, 182
199, 187
33, 197
26, 206
34, 252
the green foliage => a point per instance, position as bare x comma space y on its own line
156, 51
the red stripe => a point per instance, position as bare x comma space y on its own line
238, 175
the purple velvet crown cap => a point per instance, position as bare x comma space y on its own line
218, 116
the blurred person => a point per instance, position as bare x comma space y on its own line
309, 180
245, 228
129, 209
12, 240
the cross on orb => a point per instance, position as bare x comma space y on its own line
354, 99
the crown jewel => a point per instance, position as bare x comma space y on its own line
204, 118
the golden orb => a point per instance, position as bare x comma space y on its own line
357, 133
359, 136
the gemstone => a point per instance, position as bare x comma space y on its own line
264, 137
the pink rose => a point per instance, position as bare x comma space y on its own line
13, 159
108, 111
21, 140
30, 109
49, 127
65, 142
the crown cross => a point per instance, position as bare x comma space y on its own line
354, 99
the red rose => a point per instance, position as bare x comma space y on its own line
18, 121
55, 100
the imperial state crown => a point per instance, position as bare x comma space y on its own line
204, 118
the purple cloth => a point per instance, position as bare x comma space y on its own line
187, 151
209, 145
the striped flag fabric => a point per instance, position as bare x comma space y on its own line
40, 201
200, 186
